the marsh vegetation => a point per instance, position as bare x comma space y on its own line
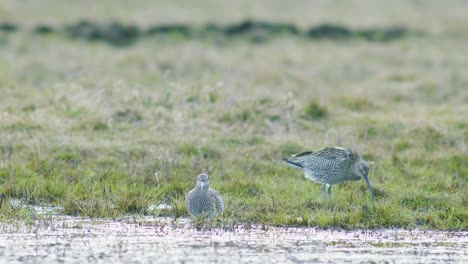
107, 130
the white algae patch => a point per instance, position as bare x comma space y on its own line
159, 240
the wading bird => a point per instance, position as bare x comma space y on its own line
202, 200
331, 165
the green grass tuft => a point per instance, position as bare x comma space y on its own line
314, 111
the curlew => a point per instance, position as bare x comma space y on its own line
331, 165
202, 200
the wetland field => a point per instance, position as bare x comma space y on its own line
110, 109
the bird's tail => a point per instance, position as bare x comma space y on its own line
291, 163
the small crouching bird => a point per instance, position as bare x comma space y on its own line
331, 165
202, 200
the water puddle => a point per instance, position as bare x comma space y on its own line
161, 240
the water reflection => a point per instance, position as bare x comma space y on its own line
149, 240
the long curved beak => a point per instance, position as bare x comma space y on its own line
370, 189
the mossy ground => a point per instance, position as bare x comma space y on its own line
105, 131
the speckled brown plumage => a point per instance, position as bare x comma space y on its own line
331, 165
203, 200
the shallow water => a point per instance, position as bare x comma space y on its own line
150, 240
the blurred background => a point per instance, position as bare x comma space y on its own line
141, 96
431, 15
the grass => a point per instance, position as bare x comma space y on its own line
105, 131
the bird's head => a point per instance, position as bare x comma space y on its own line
362, 169
203, 181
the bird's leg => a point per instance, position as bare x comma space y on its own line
329, 191
323, 191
